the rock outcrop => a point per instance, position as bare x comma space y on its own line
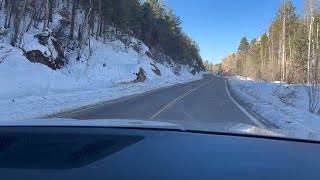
55, 58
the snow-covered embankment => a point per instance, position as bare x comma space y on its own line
286, 108
32, 90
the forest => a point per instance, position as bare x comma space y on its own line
151, 21
288, 52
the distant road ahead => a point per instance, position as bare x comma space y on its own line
206, 101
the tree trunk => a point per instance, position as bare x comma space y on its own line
309, 48
283, 48
51, 11
73, 16
289, 69
246, 67
46, 16
99, 19
34, 15
272, 56
102, 22
91, 18
15, 11
17, 20
262, 63
7, 12
316, 65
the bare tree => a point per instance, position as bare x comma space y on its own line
46, 16
18, 15
99, 20
272, 53
81, 32
8, 12
313, 91
313, 85
50, 16
73, 15
309, 48
283, 69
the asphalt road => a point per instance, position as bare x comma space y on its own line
205, 101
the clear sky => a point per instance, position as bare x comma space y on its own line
218, 25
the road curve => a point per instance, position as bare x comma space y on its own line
205, 101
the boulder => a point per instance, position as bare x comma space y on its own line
37, 56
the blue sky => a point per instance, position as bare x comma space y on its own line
218, 25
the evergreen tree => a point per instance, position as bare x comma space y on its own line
244, 45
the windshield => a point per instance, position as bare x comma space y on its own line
195, 64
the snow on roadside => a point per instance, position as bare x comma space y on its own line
290, 115
30, 90
52, 103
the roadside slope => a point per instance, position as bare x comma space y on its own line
289, 114
106, 72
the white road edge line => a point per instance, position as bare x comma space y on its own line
175, 101
257, 122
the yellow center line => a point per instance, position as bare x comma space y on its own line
175, 101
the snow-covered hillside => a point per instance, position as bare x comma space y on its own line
285, 107
106, 71
46, 72
32, 89
105, 68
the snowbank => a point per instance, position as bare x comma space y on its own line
30, 90
277, 104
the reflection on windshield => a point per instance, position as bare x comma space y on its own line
244, 128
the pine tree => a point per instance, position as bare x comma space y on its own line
244, 45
